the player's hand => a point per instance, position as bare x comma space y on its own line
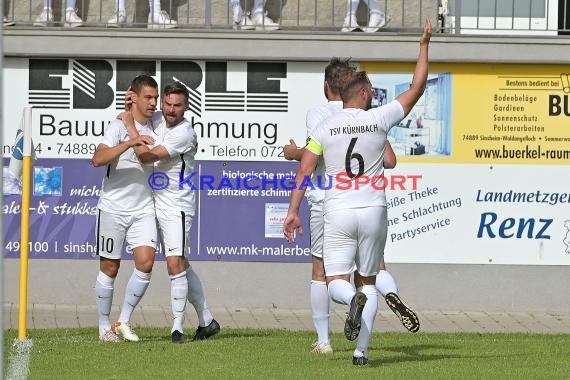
129, 99
127, 118
289, 150
141, 140
291, 224
427, 33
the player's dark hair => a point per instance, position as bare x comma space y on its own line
335, 72
143, 80
352, 83
176, 88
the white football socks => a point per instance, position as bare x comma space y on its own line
385, 283
368, 316
197, 299
178, 295
136, 287
104, 294
320, 307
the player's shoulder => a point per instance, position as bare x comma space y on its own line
182, 130
185, 127
327, 108
115, 125
392, 106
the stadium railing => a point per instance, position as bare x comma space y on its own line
491, 17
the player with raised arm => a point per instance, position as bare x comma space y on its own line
355, 220
319, 298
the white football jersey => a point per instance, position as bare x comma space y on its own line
314, 117
181, 143
353, 141
125, 185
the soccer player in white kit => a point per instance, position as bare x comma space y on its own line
173, 156
352, 142
126, 212
385, 283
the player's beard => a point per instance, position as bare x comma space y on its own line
172, 120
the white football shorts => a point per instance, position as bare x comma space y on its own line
354, 236
174, 228
111, 231
317, 222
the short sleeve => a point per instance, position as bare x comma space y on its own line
179, 140
114, 133
313, 118
389, 115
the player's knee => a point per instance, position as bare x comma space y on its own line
110, 267
318, 272
144, 265
175, 266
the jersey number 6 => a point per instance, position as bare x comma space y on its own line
353, 156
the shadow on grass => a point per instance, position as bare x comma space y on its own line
163, 334
416, 353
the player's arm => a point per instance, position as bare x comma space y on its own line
155, 154
410, 97
306, 168
292, 152
105, 154
389, 156
143, 152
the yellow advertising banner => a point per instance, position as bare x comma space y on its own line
481, 113
489, 144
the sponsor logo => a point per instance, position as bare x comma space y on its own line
213, 86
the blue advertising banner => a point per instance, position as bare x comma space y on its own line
240, 215
232, 222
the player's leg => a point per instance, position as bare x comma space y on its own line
371, 242
173, 231
207, 325
386, 285
104, 289
319, 296
110, 234
177, 266
141, 237
339, 254
339, 251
